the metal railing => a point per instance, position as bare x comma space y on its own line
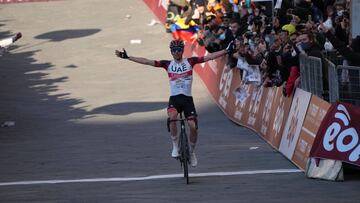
333, 82
348, 82
343, 81
333, 56
311, 74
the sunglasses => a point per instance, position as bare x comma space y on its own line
177, 49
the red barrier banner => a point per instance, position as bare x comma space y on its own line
281, 107
256, 106
266, 111
338, 136
229, 80
158, 7
314, 116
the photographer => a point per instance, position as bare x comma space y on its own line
342, 26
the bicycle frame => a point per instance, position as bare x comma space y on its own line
184, 150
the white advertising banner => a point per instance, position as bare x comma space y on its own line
294, 122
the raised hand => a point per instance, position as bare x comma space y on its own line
322, 28
122, 54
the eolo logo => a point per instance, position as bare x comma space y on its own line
341, 137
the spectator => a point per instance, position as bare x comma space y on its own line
174, 10
290, 72
275, 43
230, 35
4, 43
307, 44
351, 53
199, 13
302, 9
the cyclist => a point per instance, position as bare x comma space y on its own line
180, 72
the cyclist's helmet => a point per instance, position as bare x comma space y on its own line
178, 43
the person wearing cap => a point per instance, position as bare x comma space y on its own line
289, 28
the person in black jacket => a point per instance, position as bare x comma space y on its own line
350, 53
307, 43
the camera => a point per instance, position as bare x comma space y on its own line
249, 35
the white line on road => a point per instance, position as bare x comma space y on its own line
154, 177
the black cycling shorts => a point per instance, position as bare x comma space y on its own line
182, 103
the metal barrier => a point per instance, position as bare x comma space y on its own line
343, 81
311, 75
348, 79
333, 82
333, 56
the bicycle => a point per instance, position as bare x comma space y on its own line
184, 149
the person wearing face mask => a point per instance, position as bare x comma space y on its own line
308, 45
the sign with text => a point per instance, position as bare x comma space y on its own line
264, 116
255, 104
314, 116
281, 107
294, 122
338, 136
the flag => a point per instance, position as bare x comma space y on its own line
186, 32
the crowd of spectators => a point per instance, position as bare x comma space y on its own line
271, 37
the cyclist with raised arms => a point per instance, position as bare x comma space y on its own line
180, 71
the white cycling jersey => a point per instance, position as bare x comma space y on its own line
180, 74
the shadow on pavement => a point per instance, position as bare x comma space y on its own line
61, 35
5, 34
129, 107
27, 91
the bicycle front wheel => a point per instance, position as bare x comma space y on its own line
185, 156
